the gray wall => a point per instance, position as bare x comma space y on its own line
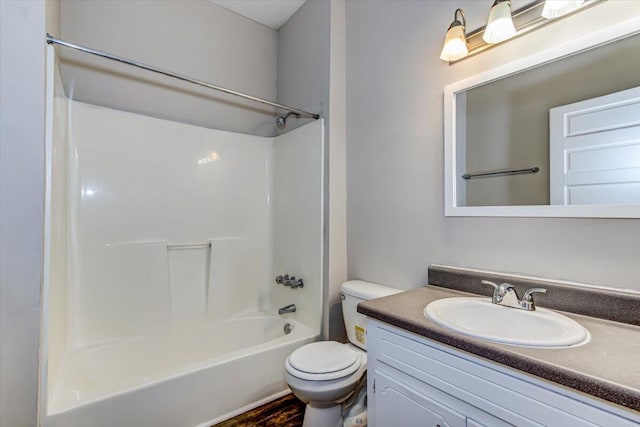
303, 61
396, 223
195, 38
22, 92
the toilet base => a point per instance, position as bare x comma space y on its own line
330, 416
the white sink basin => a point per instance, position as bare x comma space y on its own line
480, 318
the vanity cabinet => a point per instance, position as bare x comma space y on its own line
399, 404
414, 381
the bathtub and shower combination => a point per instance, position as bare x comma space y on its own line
162, 243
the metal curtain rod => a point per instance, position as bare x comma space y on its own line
297, 111
534, 169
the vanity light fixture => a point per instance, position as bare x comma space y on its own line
555, 8
500, 25
455, 42
504, 24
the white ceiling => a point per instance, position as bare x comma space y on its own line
272, 13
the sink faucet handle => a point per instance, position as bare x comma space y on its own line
499, 291
504, 294
528, 295
487, 282
527, 299
497, 295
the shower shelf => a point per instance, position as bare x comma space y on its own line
189, 246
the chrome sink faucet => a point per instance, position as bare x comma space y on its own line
505, 294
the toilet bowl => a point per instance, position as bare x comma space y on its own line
323, 381
324, 374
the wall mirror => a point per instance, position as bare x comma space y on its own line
555, 134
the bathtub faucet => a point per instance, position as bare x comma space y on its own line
290, 281
291, 308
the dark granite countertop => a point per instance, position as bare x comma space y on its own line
607, 367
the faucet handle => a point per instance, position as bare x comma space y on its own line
494, 285
504, 292
527, 299
528, 295
496, 297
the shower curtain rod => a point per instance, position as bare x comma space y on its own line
296, 111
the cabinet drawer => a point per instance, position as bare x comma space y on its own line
518, 401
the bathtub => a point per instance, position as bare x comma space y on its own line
161, 243
194, 375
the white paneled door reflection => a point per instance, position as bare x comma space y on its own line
595, 150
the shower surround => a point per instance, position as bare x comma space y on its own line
162, 243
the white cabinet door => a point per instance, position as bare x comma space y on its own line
416, 381
399, 405
594, 150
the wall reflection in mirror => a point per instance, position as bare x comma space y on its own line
563, 133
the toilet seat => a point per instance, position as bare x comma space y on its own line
323, 361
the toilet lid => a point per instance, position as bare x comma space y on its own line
324, 357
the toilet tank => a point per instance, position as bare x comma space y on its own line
354, 292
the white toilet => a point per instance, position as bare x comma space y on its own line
325, 374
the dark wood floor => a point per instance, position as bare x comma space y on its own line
287, 411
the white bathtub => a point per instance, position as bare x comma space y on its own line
160, 237
191, 376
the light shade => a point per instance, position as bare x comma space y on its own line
455, 44
555, 8
500, 25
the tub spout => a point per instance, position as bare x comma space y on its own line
291, 308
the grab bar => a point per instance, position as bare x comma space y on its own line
501, 172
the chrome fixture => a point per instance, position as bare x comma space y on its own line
501, 172
298, 112
291, 308
291, 282
281, 122
505, 294
287, 328
503, 24
527, 299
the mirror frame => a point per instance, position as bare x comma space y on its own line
604, 36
